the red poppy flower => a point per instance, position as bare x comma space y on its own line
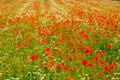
88, 50
18, 31
71, 44
62, 64
5, 70
18, 47
83, 34
67, 68
28, 44
70, 58
0, 16
57, 67
96, 58
41, 32
80, 47
112, 65
106, 67
73, 50
63, 37
110, 46
102, 63
100, 52
84, 62
43, 41
28, 35
58, 53
90, 64
77, 55
33, 57
3, 43
49, 65
99, 74
47, 51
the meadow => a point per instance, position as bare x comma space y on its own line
59, 40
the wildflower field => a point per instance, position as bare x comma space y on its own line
59, 40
